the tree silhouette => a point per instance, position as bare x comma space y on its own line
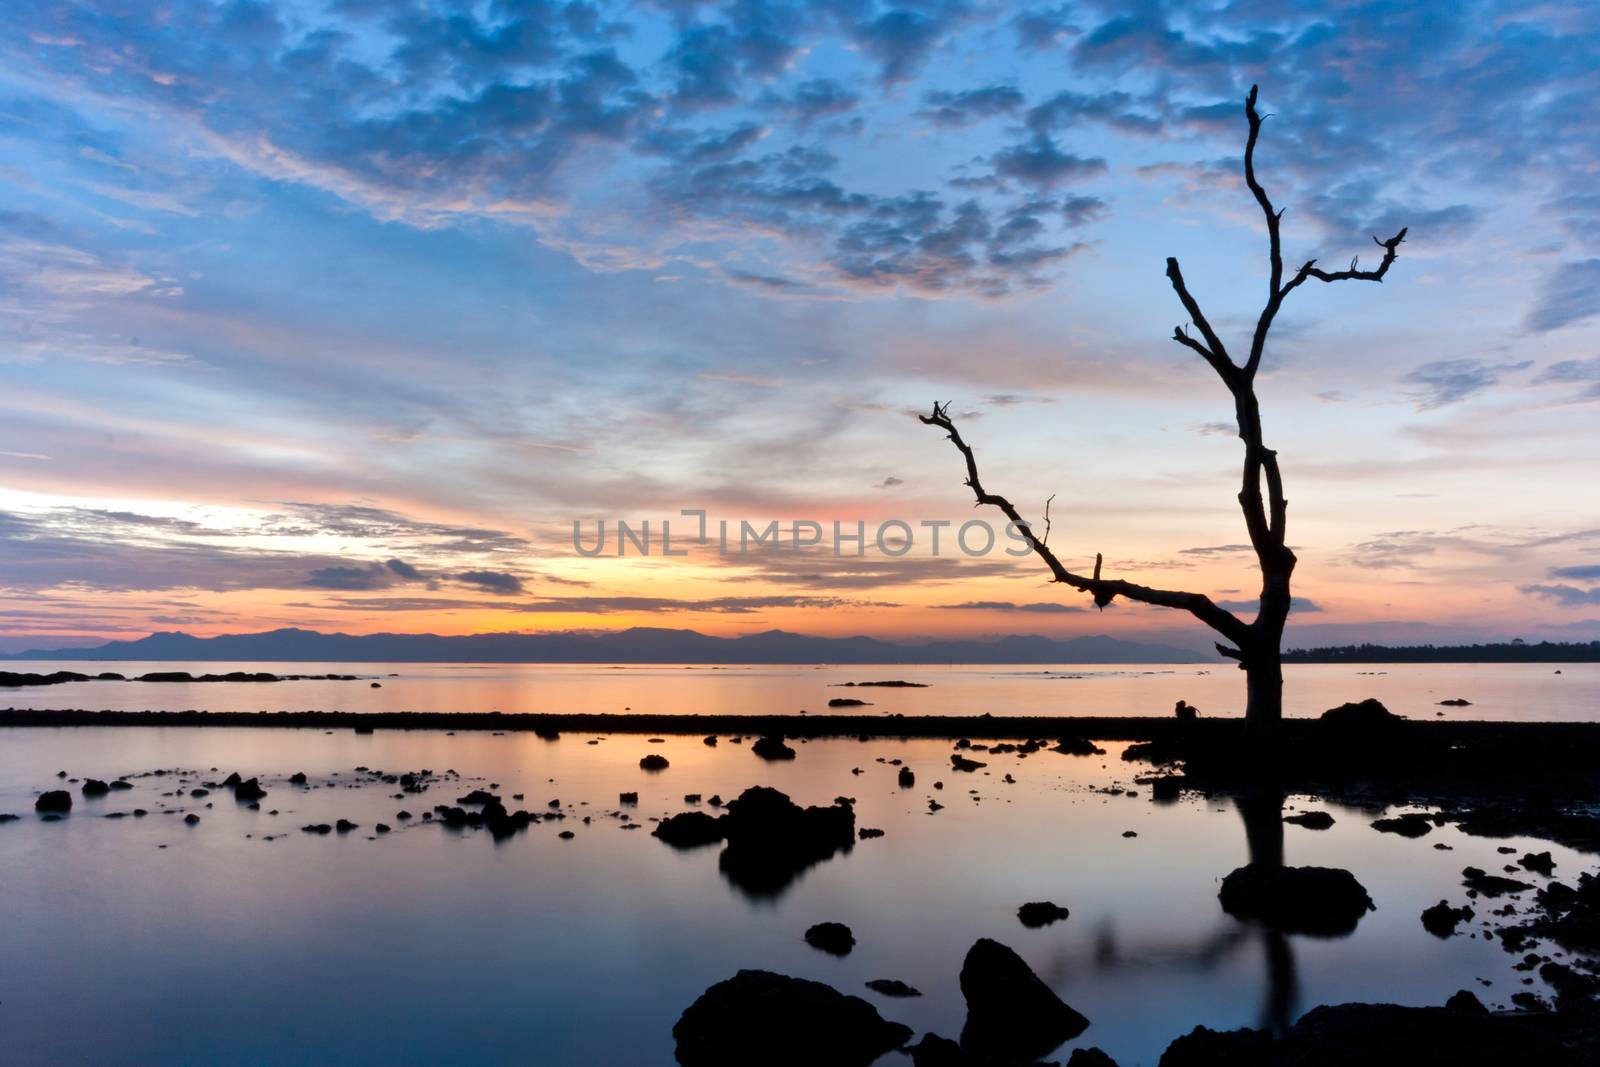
1257, 644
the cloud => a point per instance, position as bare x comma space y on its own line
404, 570
498, 582
1298, 605
1584, 372
1567, 596
1040, 608
1041, 163
958, 110
371, 576
889, 483
1584, 572
1449, 381
1568, 296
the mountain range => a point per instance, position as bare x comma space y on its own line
638, 645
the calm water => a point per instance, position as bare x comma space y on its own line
429, 945
1532, 692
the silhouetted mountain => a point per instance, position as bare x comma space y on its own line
639, 645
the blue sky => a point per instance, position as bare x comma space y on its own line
287, 291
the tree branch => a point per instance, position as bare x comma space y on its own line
1104, 590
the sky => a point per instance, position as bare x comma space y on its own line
341, 313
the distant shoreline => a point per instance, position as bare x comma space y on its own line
1553, 652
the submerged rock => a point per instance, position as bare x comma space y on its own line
1076, 746
1538, 863
1409, 825
248, 790
654, 762
836, 939
1011, 1014
94, 787
1322, 901
1365, 716
1491, 885
54, 800
1040, 913
759, 1017
962, 763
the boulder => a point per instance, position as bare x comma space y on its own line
1011, 1014
906, 778
1361, 717
654, 762
892, 987
1076, 746
1409, 825
836, 939
766, 1018
1441, 919
54, 800
691, 829
936, 1051
961, 763
772, 748
248, 790
1322, 901
1311, 820
1491, 885
1090, 1057
1538, 863
771, 839
94, 787
1040, 913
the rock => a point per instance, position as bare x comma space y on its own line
1185, 711
1364, 717
771, 840
191, 819
344, 826
6, 816
94, 787
317, 828
1090, 1057
1322, 901
1040, 913
961, 763
1441, 919
758, 1017
1462, 1000
691, 829
298, 778
866, 833
1409, 825
709, 739
846, 702
1456, 703
936, 1051
1011, 1014
1073, 746
1130, 833
1538, 863
120, 784
54, 800
628, 798
232, 780
906, 778
836, 939
1491, 885
566, 835
381, 828
478, 797
377, 685
772, 748
654, 762
248, 790
1167, 788
892, 987
1311, 820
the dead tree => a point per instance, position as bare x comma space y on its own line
1257, 644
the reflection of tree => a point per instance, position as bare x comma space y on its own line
1262, 812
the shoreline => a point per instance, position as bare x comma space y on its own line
1092, 727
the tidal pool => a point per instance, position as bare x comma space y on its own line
149, 940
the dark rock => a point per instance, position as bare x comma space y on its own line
654, 762
1166, 788
381, 828
298, 778
1409, 825
961, 763
1073, 746
1456, 703
232, 779
1322, 901
1130, 833
566, 835
120, 784
771, 840
1462, 1000
906, 778
836, 939
1491, 885
1185, 711
710, 739
690, 829
936, 1051
94, 787
1367, 716
772, 748
197, 793
248, 790
1311, 820
1538, 863
846, 702
192, 819
628, 798
758, 1017
866, 833
317, 828
1090, 1057
1011, 1014
54, 800
893, 987
478, 797
1441, 919
344, 826
1040, 913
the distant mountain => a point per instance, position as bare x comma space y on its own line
639, 645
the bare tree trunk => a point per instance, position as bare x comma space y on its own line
1257, 645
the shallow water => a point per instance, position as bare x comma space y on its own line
437, 945
1513, 691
